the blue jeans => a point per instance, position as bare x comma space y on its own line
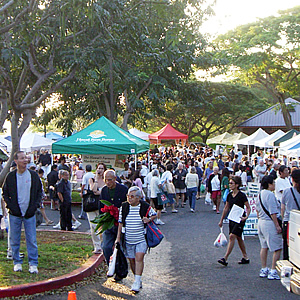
109, 237
192, 192
15, 227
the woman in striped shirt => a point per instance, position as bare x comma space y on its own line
132, 218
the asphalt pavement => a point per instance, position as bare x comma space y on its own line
184, 265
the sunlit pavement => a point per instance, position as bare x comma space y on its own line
184, 265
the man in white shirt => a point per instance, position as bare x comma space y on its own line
260, 170
282, 182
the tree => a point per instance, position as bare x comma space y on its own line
266, 52
140, 55
39, 41
204, 108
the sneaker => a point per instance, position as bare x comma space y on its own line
218, 212
164, 210
98, 251
273, 275
57, 226
192, 210
264, 273
33, 270
17, 268
214, 207
136, 286
160, 222
76, 225
225, 221
174, 211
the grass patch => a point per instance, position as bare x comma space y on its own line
76, 197
59, 254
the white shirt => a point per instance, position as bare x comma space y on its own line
215, 184
280, 185
86, 178
155, 181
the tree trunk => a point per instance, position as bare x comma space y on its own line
285, 113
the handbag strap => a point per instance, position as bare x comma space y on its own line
295, 199
264, 208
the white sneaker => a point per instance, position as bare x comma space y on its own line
264, 273
192, 210
136, 286
225, 221
214, 207
273, 275
159, 222
174, 211
57, 226
17, 268
164, 210
33, 269
76, 225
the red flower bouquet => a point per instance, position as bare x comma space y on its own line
108, 218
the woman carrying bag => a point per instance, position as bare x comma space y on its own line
269, 230
235, 229
96, 184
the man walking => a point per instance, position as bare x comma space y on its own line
116, 194
22, 192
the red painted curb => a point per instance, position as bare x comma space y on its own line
86, 270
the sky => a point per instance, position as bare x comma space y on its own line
232, 13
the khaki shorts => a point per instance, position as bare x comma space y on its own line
180, 191
268, 236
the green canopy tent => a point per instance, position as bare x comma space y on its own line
285, 137
101, 137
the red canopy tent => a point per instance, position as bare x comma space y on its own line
167, 133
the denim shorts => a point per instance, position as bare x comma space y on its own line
131, 250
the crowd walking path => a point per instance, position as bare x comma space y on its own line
184, 266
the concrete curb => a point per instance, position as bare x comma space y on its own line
86, 270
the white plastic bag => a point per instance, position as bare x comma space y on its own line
112, 263
208, 198
221, 240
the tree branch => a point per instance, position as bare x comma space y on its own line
48, 93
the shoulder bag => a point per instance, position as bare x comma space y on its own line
90, 201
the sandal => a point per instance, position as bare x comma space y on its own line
223, 262
244, 261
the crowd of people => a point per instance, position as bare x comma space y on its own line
181, 174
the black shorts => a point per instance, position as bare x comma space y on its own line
236, 228
155, 202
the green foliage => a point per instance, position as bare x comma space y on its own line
203, 108
266, 52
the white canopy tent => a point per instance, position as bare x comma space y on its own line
234, 139
251, 139
219, 138
141, 134
294, 151
33, 142
6, 144
267, 141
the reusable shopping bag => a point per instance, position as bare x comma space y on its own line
153, 235
162, 198
225, 194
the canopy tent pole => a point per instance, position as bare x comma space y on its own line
135, 161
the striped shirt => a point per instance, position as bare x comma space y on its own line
134, 226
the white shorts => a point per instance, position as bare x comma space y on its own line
268, 236
180, 191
